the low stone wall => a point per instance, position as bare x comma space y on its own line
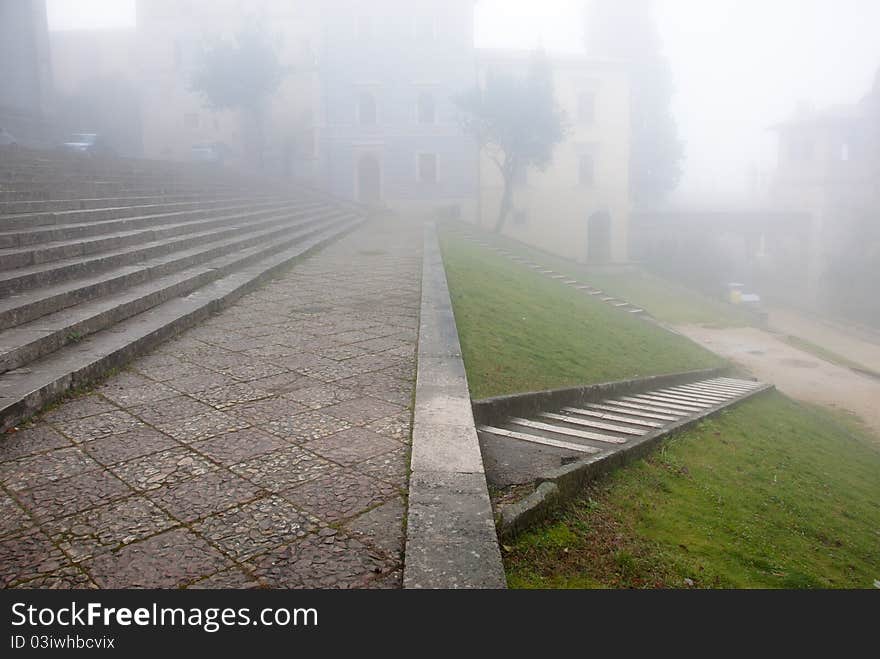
451, 540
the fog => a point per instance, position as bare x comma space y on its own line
739, 67
674, 114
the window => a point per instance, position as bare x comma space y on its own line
191, 120
586, 170
521, 177
427, 108
366, 109
586, 108
427, 168
844, 151
520, 217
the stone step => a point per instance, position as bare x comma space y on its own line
32, 304
70, 241
26, 343
23, 279
55, 205
27, 390
48, 220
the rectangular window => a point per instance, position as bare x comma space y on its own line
586, 170
427, 168
191, 120
586, 108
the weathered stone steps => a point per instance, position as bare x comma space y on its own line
27, 390
26, 342
54, 272
44, 245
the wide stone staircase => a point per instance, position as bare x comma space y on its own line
102, 259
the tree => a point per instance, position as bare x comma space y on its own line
241, 74
625, 30
517, 121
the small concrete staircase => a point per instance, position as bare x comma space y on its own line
553, 443
611, 424
598, 293
101, 260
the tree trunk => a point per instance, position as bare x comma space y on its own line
504, 210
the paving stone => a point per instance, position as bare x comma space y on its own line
239, 446
229, 395
78, 408
27, 557
27, 441
321, 395
194, 378
340, 494
333, 560
100, 425
13, 518
361, 411
233, 578
36, 470
128, 445
353, 446
283, 469
283, 382
382, 527
159, 469
127, 396
73, 495
253, 528
392, 467
341, 353
205, 495
67, 578
306, 426
105, 528
202, 426
267, 410
397, 427
169, 560
179, 407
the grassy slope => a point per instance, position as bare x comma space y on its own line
664, 299
771, 494
522, 332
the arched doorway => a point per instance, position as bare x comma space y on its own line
369, 179
599, 238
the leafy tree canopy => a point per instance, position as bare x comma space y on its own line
239, 73
517, 121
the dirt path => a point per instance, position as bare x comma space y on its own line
794, 372
863, 352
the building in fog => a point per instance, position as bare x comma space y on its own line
579, 206
828, 165
388, 75
367, 111
26, 97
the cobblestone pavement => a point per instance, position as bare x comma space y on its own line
267, 447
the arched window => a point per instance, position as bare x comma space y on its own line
427, 108
366, 109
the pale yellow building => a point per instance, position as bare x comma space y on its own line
578, 207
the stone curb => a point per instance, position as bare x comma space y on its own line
451, 539
561, 485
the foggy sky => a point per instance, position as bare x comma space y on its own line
739, 66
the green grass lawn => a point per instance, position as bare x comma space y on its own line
665, 300
772, 494
521, 332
